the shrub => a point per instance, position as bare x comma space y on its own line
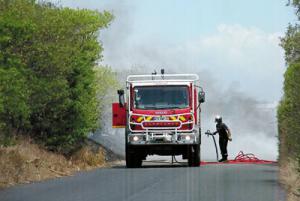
48, 81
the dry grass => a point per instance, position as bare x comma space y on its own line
86, 158
27, 162
290, 177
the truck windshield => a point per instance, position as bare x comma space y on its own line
161, 97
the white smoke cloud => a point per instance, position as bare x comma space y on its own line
240, 68
247, 56
253, 123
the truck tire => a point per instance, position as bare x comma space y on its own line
133, 160
194, 156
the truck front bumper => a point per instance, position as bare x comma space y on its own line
158, 138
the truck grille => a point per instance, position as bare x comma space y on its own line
161, 124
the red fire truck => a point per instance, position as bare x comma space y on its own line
161, 116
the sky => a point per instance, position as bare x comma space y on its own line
233, 45
235, 40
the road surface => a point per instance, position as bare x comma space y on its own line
158, 183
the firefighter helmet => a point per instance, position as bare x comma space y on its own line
218, 119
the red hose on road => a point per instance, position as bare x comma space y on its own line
242, 158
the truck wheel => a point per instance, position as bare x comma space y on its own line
197, 156
133, 160
194, 156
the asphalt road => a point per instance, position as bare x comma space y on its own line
158, 183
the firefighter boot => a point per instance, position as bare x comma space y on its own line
225, 159
222, 160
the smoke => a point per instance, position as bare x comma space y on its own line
253, 123
234, 66
114, 139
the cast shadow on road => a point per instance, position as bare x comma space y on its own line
270, 171
156, 164
272, 182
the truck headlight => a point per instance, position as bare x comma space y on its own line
187, 137
135, 138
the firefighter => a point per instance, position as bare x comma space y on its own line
224, 136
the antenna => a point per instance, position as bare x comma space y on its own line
162, 72
154, 73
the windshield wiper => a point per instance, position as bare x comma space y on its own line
177, 107
162, 107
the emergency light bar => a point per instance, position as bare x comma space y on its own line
166, 77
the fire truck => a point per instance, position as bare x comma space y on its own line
161, 116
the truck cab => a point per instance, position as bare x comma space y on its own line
161, 116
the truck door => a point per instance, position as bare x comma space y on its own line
119, 116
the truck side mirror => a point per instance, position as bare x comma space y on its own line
121, 97
201, 96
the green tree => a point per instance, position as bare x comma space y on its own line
289, 108
14, 108
54, 50
289, 113
296, 5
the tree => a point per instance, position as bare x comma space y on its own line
296, 5
289, 113
289, 108
54, 50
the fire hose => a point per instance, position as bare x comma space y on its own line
240, 158
208, 133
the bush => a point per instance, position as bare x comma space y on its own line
48, 81
288, 113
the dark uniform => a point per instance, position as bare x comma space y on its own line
222, 129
